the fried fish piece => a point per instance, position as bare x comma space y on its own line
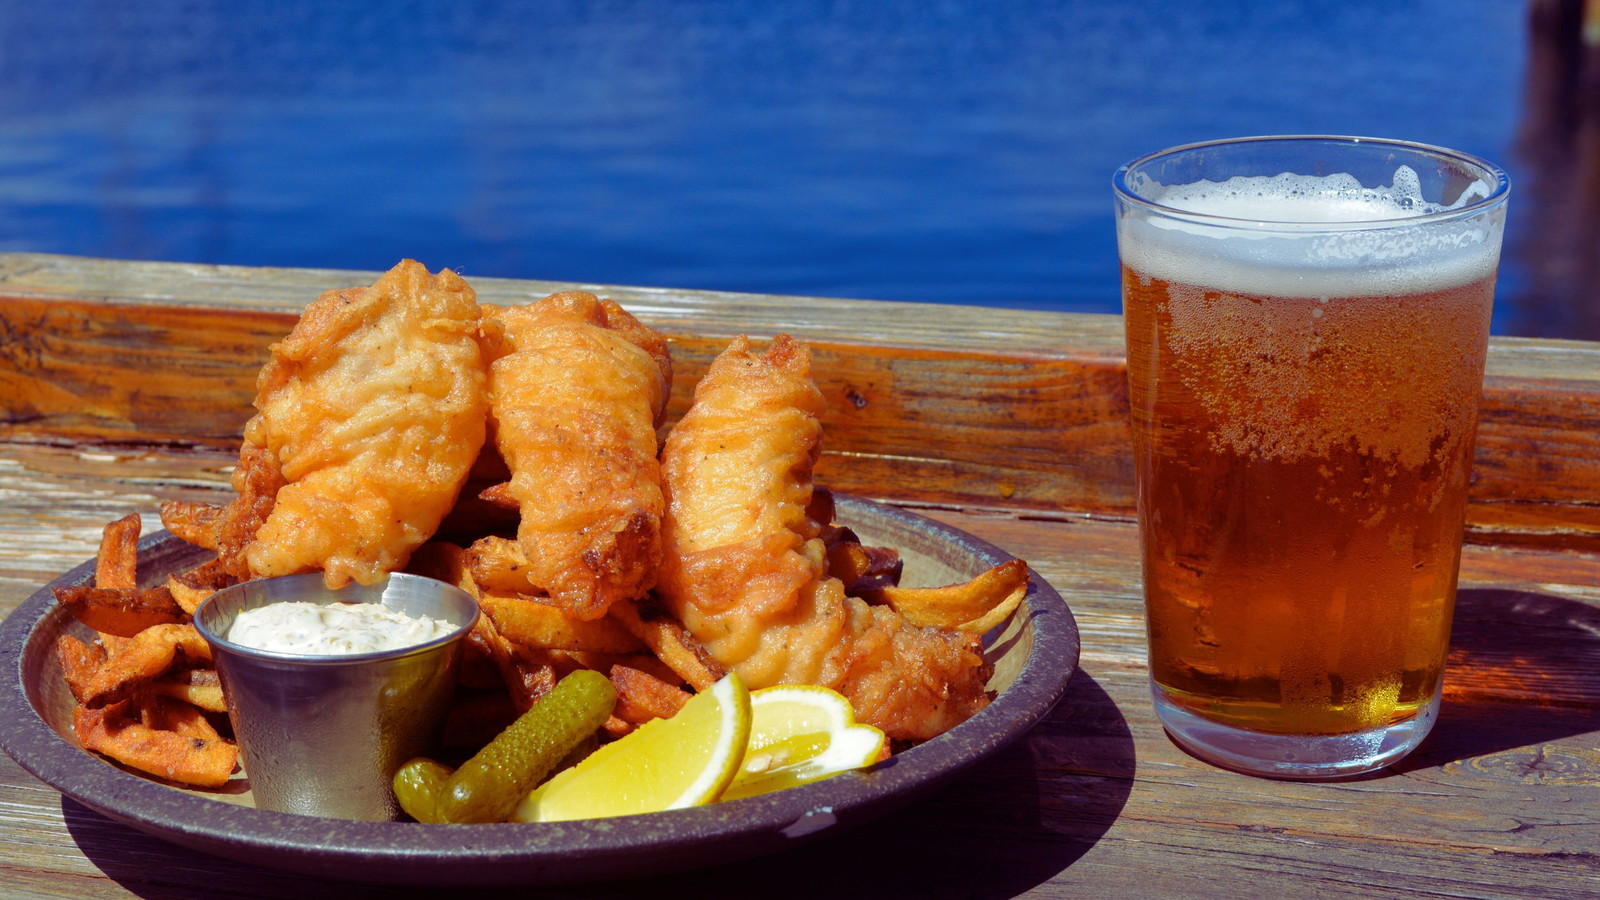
229, 529
745, 565
373, 409
577, 389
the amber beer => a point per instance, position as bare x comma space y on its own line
1304, 402
1302, 464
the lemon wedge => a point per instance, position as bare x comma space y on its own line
800, 734
686, 760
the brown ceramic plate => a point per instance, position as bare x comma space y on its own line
1035, 655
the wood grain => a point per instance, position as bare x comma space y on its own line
1002, 409
1002, 425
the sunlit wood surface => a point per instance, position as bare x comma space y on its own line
124, 384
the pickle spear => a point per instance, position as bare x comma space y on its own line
417, 786
489, 786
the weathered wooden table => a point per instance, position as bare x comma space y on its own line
123, 384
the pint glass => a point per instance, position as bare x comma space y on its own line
1307, 319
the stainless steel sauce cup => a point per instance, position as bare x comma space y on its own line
324, 735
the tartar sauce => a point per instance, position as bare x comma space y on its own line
338, 629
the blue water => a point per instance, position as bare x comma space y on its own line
898, 149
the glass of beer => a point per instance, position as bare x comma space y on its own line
1307, 319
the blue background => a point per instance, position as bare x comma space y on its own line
932, 151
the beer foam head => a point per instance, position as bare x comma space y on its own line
1311, 236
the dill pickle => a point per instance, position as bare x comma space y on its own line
417, 786
489, 786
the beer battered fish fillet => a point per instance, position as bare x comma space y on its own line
744, 567
374, 409
577, 389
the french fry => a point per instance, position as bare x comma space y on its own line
187, 596
193, 523
966, 606
200, 688
146, 657
169, 714
863, 568
116, 565
997, 615
672, 645
123, 612
532, 678
117, 731
477, 669
530, 623
79, 663
523, 621
499, 564
644, 661
642, 696
479, 510
526, 678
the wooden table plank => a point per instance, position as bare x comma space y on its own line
1096, 800
1502, 800
1009, 409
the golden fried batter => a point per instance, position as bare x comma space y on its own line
577, 388
744, 565
374, 410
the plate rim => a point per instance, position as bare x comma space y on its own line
540, 853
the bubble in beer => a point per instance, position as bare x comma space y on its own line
1304, 235
1295, 338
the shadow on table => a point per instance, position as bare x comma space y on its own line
1522, 671
1009, 824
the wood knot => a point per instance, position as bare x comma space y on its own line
1541, 764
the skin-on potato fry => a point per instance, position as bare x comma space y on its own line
118, 732
965, 606
170, 714
642, 696
860, 567
520, 621
189, 589
146, 657
116, 565
115, 604
644, 661
533, 624
443, 561
198, 687
121, 611
673, 645
79, 663
527, 679
995, 616
477, 669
